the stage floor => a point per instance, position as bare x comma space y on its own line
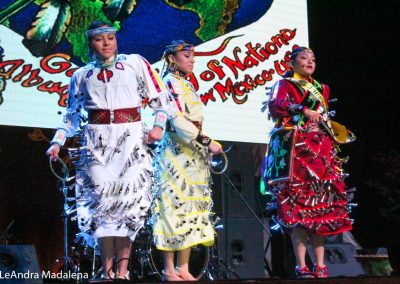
335, 280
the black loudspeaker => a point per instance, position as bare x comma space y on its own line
340, 259
240, 177
19, 264
241, 249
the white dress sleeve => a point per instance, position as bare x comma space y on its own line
74, 114
152, 88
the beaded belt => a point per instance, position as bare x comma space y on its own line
106, 116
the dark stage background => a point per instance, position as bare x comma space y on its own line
356, 46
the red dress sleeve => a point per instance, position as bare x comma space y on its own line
284, 97
326, 91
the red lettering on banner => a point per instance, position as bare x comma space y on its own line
259, 80
70, 72
12, 65
207, 75
248, 82
249, 61
25, 70
55, 67
209, 96
254, 55
267, 76
287, 35
287, 56
222, 89
214, 66
279, 39
51, 64
281, 67
33, 80
238, 89
253, 51
237, 92
234, 64
264, 53
272, 48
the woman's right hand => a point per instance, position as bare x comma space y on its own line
215, 147
313, 116
53, 151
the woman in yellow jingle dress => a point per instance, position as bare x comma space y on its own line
183, 197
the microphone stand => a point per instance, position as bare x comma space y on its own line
6, 234
67, 260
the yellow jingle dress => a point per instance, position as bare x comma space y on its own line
181, 212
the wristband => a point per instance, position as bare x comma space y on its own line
159, 125
203, 139
161, 119
59, 137
55, 142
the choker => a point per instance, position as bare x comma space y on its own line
103, 63
178, 73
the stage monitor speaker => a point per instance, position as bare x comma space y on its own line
340, 260
241, 249
240, 176
334, 239
19, 261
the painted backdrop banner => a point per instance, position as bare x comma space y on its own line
241, 48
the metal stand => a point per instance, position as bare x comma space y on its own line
67, 260
67, 210
224, 263
6, 235
217, 268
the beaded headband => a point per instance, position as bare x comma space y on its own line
179, 47
100, 31
299, 50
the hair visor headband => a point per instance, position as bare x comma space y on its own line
100, 31
299, 50
179, 47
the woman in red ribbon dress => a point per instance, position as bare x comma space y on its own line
302, 167
114, 165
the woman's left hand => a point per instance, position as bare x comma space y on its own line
154, 135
